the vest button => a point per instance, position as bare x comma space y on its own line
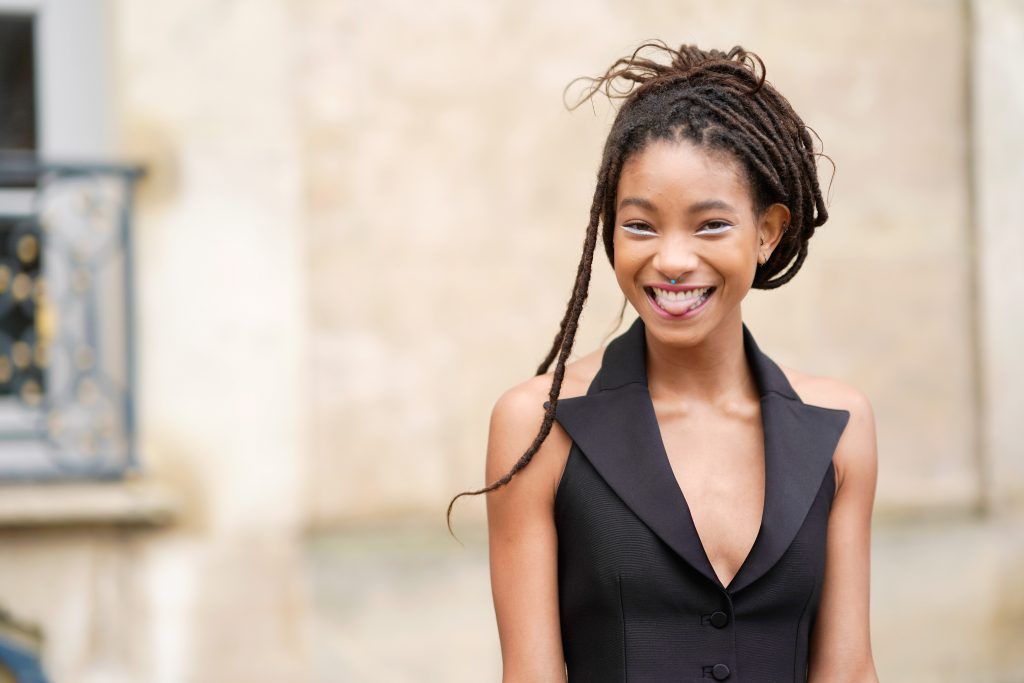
720, 672
719, 619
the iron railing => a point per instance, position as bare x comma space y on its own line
67, 348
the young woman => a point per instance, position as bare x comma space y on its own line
696, 511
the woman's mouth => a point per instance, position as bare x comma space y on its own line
679, 305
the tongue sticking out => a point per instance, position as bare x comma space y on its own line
680, 307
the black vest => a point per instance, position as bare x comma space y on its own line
638, 598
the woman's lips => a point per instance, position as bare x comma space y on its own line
675, 307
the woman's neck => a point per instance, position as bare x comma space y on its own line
712, 372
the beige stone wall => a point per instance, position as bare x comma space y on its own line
362, 224
441, 160
998, 108
205, 96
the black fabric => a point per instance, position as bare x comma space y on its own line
638, 597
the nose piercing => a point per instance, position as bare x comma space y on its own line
672, 281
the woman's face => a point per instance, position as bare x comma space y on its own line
686, 214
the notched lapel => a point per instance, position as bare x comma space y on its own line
800, 440
616, 428
618, 433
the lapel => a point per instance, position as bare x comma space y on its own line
616, 428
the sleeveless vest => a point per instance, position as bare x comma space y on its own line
639, 600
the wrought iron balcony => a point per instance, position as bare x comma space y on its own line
67, 352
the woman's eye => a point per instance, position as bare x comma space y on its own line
725, 226
637, 228
643, 229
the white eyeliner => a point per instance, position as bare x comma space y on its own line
636, 231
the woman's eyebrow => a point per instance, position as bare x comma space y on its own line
697, 207
637, 201
707, 204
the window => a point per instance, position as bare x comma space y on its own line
66, 354
17, 82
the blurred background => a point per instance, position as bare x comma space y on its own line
265, 266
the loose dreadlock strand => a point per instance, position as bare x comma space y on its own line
722, 102
581, 283
563, 344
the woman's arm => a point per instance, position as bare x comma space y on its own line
522, 538
841, 640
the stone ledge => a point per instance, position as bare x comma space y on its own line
86, 504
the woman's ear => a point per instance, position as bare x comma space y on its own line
774, 222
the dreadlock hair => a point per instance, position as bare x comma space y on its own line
720, 102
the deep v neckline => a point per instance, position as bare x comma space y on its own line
614, 425
685, 505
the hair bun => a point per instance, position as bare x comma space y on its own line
689, 56
688, 61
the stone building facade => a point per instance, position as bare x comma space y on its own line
351, 210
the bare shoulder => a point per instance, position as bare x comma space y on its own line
518, 415
522, 530
827, 392
524, 402
857, 449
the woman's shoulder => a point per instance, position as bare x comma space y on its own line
825, 391
857, 447
525, 400
518, 414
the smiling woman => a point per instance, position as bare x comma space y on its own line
681, 206
697, 511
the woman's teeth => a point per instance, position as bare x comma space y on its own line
682, 301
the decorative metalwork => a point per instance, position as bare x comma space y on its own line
67, 367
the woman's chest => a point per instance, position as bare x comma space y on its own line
609, 559
718, 464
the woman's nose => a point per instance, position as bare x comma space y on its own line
676, 255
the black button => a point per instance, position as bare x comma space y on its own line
720, 672
719, 619
546, 404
